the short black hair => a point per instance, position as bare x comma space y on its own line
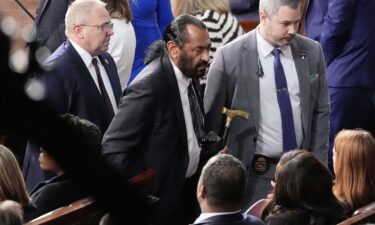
90, 132
224, 178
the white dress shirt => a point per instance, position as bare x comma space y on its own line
270, 141
122, 48
204, 216
193, 147
87, 59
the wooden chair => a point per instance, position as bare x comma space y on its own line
364, 215
86, 211
248, 25
81, 212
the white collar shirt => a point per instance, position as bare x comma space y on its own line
269, 141
193, 147
87, 59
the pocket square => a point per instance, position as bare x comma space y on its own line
313, 77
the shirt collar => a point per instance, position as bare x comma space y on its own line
265, 48
182, 81
204, 216
85, 56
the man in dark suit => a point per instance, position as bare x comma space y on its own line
348, 38
315, 12
156, 129
49, 26
84, 81
220, 191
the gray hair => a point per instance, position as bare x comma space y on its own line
270, 7
79, 12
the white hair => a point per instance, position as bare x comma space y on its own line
79, 12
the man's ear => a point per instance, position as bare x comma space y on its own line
77, 29
201, 192
262, 17
173, 50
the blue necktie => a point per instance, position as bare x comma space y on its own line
196, 114
289, 134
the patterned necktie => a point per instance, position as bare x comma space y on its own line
107, 101
196, 114
289, 135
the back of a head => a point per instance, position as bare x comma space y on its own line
354, 151
304, 183
272, 6
224, 179
89, 132
176, 31
119, 9
79, 12
12, 185
10, 213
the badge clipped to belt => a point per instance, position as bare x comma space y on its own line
260, 164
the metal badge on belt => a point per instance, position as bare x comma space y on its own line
260, 164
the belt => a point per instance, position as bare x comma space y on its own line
261, 163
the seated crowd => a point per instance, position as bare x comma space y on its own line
163, 110
304, 190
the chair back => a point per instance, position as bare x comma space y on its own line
258, 208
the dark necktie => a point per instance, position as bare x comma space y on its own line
196, 114
289, 134
107, 101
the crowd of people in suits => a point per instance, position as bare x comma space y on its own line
142, 85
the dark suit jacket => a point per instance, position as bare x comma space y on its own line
231, 219
49, 25
55, 193
71, 89
149, 131
348, 43
315, 13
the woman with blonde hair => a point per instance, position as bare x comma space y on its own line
12, 185
353, 155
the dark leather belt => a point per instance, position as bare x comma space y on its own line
261, 163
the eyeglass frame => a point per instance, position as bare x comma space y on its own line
104, 27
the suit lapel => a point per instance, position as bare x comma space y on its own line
88, 85
43, 7
250, 60
168, 69
301, 62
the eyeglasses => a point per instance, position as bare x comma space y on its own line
104, 27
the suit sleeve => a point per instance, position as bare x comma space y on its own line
216, 96
56, 96
336, 25
164, 14
122, 140
320, 119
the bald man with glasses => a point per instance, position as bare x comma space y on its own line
84, 79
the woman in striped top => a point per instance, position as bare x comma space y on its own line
221, 24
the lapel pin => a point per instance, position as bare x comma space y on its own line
303, 55
106, 61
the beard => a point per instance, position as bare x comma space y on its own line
191, 72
